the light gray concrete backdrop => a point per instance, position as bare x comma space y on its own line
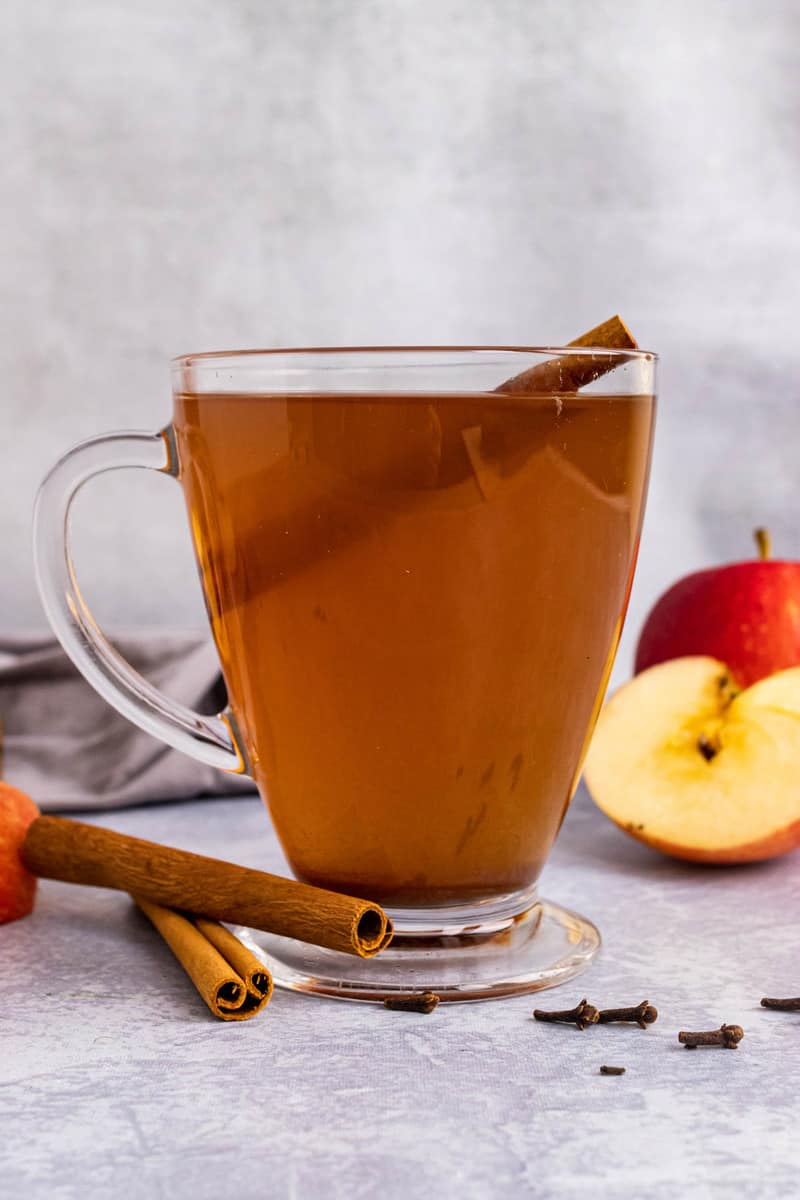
194, 175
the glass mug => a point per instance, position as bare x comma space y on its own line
416, 564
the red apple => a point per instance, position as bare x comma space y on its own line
17, 885
746, 614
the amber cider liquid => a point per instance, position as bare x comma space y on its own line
416, 601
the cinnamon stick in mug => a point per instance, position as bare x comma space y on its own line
57, 848
396, 456
573, 371
501, 443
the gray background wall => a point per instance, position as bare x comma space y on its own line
186, 176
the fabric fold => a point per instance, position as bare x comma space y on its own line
71, 751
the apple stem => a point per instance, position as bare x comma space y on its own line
763, 542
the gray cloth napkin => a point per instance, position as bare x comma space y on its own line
69, 750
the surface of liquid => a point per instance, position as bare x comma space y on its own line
416, 601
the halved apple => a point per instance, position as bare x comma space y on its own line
683, 760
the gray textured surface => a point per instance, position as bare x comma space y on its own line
189, 176
115, 1081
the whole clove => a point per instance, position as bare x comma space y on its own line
643, 1014
792, 1004
727, 1036
582, 1015
612, 1070
419, 1002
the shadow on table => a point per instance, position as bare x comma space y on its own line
589, 837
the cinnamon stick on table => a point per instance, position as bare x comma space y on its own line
233, 982
57, 848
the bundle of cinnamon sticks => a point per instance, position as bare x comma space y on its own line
173, 887
234, 983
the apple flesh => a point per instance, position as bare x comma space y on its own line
745, 614
683, 760
17, 885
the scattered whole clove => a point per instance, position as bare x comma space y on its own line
791, 1004
612, 1070
643, 1014
418, 1002
582, 1015
727, 1036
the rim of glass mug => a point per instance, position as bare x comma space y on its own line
415, 348
464, 368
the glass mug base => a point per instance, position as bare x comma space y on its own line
519, 943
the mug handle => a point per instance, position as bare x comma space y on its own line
211, 740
